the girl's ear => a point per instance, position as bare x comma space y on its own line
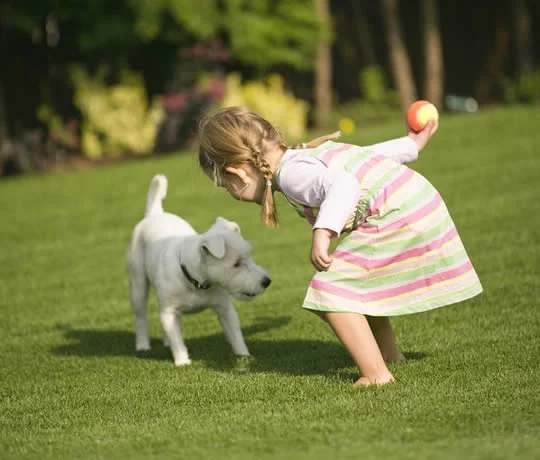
238, 172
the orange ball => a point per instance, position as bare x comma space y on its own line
420, 113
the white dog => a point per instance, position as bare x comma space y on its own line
189, 272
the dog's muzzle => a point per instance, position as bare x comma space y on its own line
265, 282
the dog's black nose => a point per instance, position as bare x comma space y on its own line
266, 282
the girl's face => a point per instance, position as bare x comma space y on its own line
244, 183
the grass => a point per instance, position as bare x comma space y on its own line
72, 386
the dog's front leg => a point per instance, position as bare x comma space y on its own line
171, 328
228, 318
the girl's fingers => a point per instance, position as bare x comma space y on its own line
321, 261
432, 127
324, 263
317, 264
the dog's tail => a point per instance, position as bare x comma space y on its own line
156, 193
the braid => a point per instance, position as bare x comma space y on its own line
262, 165
268, 205
235, 136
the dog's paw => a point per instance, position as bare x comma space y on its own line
143, 346
182, 362
242, 363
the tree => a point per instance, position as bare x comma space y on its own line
3, 118
434, 71
260, 33
522, 37
401, 66
363, 34
323, 68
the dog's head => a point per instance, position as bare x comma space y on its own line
227, 261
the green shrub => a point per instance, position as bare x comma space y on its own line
118, 118
525, 91
269, 99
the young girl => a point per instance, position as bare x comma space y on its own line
401, 253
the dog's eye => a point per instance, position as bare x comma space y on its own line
238, 263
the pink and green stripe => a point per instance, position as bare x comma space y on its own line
404, 257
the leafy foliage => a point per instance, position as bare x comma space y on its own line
259, 32
526, 90
283, 31
269, 99
117, 118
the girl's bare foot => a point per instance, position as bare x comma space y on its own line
365, 381
355, 334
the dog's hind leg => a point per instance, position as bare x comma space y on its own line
138, 294
228, 318
172, 330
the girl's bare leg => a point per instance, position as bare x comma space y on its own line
355, 334
384, 335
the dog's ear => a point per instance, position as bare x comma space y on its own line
214, 245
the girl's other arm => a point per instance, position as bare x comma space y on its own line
405, 149
335, 191
401, 150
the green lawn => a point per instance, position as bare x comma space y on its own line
71, 385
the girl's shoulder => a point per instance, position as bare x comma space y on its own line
315, 151
322, 151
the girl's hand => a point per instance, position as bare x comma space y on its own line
423, 136
319, 249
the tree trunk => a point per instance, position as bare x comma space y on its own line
323, 68
490, 86
434, 79
363, 34
4, 132
522, 38
401, 66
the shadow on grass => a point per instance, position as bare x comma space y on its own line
284, 356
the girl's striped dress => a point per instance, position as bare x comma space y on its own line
401, 253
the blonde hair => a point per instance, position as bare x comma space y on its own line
236, 135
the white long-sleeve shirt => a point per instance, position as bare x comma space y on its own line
334, 191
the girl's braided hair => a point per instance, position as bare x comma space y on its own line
236, 135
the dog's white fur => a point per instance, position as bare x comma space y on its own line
160, 244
